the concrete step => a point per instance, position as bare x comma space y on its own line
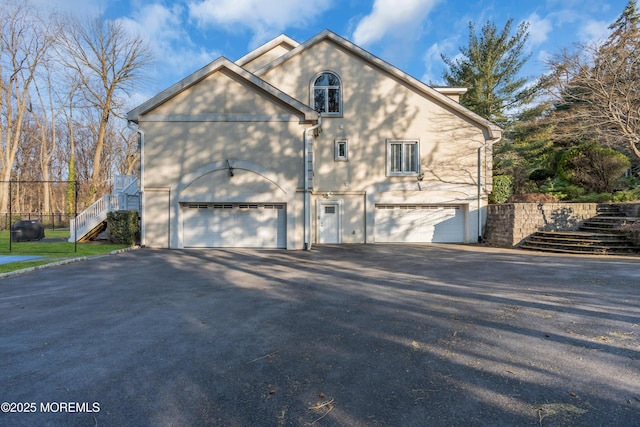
599, 228
592, 250
597, 236
606, 223
580, 242
609, 210
611, 219
535, 240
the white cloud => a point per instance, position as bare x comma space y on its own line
544, 57
433, 63
265, 18
156, 22
392, 18
539, 29
594, 31
174, 51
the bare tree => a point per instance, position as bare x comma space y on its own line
107, 61
599, 87
46, 118
24, 40
129, 153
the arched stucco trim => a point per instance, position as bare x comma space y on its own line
188, 178
175, 192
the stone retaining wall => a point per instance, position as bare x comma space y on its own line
509, 224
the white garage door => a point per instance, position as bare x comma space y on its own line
419, 224
234, 225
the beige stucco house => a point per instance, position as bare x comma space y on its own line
320, 142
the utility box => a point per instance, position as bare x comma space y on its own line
27, 230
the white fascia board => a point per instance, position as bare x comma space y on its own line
450, 90
218, 64
280, 40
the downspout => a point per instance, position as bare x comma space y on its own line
307, 195
480, 167
136, 128
479, 193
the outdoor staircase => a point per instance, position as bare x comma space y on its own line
93, 220
596, 236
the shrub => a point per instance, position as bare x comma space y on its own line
123, 227
626, 195
593, 167
529, 186
532, 198
502, 189
595, 198
628, 183
562, 189
540, 175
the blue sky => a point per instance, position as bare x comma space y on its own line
410, 34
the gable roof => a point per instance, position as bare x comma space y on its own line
213, 67
282, 40
494, 130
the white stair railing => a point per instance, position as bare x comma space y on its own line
129, 195
92, 216
122, 182
126, 197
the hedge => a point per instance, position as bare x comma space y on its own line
123, 227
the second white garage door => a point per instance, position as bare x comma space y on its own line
234, 225
419, 224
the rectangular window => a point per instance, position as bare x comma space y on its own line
402, 157
341, 153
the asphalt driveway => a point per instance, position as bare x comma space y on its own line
376, 335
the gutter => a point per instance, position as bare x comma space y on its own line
136, 128
307, 195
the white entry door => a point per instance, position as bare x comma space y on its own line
329, 223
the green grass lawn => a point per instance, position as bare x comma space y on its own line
54, 247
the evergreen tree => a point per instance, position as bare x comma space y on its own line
626, 26
489, 69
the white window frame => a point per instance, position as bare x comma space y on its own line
341, 155
338, 87
405, 170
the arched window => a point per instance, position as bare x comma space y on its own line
326, 94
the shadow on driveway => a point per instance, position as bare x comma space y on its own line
376, 335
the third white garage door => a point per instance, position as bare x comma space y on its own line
419, 224
234, 225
